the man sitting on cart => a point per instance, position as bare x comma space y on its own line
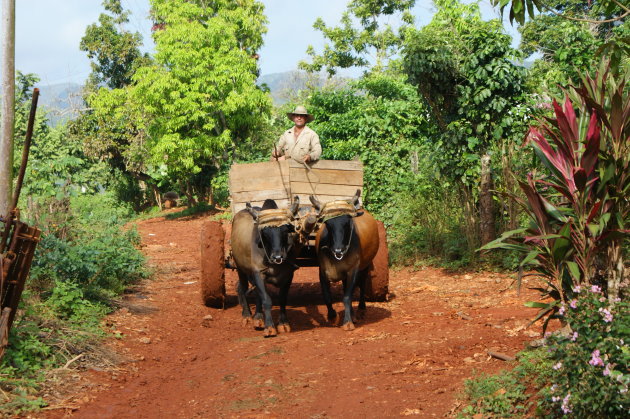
300, 142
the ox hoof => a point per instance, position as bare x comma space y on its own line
348, 326
284, 328
246, 321
361, 314
259, 323
270, 332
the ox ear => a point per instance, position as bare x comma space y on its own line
316, 204
355, 199
295, 205
252, 211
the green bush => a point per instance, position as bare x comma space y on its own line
426, 225
85, 259
509, 393
101, 263
590, 372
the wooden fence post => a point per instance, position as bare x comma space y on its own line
8, 104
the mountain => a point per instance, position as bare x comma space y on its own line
64, 102
285, 87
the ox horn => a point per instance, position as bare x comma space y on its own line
316, 204
295, 205
355, 199
252, 211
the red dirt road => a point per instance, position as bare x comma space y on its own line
408, 357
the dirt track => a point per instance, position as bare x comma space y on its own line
409, 357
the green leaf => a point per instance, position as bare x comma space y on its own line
498, 243
537, 304
574, 270
531, 256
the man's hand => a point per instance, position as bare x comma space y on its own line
307, 158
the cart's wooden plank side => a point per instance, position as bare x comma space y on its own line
327, 176
255, 182
323, 189
331, 164
327, 179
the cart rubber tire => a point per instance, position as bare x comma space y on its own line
377, 278
212, 264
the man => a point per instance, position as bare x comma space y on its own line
300, 142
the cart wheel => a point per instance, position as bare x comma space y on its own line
377, 279
212, 264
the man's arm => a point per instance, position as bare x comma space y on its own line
279, 148
316, 147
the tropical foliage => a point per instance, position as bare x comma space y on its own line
351, 46
440, 119
85, 260
578, 208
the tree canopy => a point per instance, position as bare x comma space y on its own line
382, 24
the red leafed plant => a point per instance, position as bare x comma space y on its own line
578, 210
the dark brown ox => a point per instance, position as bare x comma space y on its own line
262, 241
346, 243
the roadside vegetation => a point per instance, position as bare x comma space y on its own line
471, 160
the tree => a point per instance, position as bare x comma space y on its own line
569, 38
57, 166
114, 51
379, 120
351, 46
605, 11
463, 68
200, 98
108, 127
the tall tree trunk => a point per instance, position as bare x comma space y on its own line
158, 198
188, 190
471, 221
487, 226
210, 192
510, 206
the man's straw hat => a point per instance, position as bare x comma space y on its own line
301, 110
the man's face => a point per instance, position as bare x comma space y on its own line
299, 120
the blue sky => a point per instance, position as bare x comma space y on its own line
48, 33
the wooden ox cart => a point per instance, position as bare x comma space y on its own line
328, 180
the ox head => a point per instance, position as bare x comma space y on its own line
338, 218
275, 230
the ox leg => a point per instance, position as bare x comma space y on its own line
265, 301
361, 283
325, 284
347, 301
283, 324
259, 318
241, 290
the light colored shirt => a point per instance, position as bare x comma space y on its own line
306, 143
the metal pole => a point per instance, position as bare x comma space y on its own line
8, 104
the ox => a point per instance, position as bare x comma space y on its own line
262, 250
346, 243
